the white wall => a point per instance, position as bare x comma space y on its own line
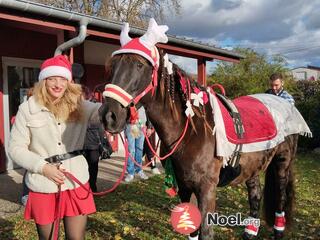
305, 73
97, 52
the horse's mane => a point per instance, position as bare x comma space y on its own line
171, 84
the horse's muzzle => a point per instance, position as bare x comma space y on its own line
113, 119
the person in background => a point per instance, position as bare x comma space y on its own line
135, 137
94, 144
276, 87
149, 156
95, 137
47, 140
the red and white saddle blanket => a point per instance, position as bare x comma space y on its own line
267, 120
257, 121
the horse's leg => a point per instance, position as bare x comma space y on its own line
279, 187
284, 183
206, 197
184, 193
254, 196
207, 204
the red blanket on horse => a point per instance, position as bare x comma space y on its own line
256, 118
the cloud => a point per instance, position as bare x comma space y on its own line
289, 27
227, 4
187, 64
190, 65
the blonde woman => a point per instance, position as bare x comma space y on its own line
47, 139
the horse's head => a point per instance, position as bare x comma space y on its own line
129, 76
132, 74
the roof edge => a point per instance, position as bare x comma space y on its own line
50, 11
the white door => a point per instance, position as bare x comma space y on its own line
19, 75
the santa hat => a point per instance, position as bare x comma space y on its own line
145, 45
56, 66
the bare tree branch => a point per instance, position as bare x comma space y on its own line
136, 12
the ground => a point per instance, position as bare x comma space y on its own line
140, 210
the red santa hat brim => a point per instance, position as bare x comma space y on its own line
55, 71
135, 51
137, 47
56, 66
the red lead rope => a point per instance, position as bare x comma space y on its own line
181, 137
175, 146
69, 175
56, 223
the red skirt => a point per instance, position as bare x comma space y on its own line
42, 206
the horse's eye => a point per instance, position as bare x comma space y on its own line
140, 65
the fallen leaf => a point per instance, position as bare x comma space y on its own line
117, 237
126, 230
113, 221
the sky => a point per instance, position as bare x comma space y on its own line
287, 27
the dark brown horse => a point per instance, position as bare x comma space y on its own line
196, 164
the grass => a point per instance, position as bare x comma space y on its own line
141, 211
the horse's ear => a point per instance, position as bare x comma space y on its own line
124, 36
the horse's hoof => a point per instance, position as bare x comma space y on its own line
278, 234
247, 236
193, 238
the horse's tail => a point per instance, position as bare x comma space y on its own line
271, 192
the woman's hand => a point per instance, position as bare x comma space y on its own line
54, 173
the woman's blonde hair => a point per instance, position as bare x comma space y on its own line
66, 108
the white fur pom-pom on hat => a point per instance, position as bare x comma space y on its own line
56, 66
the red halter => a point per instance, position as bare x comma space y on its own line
124, 98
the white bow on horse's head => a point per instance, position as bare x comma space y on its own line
145, 45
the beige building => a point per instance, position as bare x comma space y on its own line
306, 73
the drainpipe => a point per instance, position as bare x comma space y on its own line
74, 41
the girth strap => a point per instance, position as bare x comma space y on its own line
234, 113
238, 126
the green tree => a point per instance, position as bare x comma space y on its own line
308, 104
135, 12
251, 75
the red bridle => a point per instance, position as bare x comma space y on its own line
123, 97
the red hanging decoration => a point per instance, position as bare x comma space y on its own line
134, 116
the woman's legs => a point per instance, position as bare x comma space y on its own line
45, 231
75, 227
